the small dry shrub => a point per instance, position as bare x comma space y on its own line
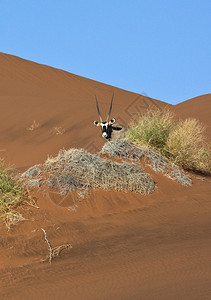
11, 218
76, 169
124, 149
58, 130
35, 125
127, 150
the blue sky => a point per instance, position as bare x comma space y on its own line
161, 48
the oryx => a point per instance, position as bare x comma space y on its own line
106, 126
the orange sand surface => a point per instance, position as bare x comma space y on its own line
124, 245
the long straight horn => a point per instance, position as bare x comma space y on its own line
98, 110
110, 108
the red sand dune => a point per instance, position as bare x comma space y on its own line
125, 246
54, 98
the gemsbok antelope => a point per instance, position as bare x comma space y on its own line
107, 126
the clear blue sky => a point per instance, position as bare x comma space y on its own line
161, 48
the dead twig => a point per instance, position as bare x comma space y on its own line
49, 245
200, 178
53, 252
33, 203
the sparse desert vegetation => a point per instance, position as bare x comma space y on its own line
127, 150
13, 193
35, 125
187, 146
182, 142
77, 169
158, 244
157, 139
58, 130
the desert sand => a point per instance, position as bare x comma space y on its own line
124, 245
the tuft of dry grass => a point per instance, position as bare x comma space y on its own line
58, 130
187, 146
35, 125
11, 218
127, 150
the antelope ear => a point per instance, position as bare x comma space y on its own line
112, 121
96, 123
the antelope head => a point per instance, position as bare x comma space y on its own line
106, 126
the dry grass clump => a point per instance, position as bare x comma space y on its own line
126, 149
152, 129
159, 164
187, 146
182, 142
58, 130
123, 148
35, 125
12, 194
78, 169
11, 217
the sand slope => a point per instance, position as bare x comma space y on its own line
125, 246
54, 98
